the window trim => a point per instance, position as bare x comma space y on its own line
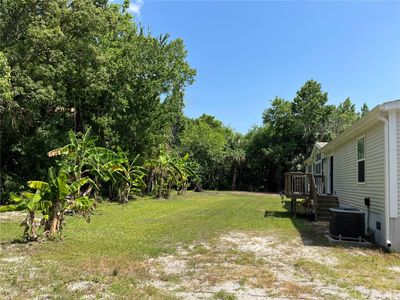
358, 160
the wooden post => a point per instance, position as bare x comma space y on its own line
291, 207
294, 206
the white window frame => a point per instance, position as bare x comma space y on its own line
363, 159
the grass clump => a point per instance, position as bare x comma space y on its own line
222, 295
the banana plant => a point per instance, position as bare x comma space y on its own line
165, 172
62, 195
187, 170
127, 175
76, 153
81, 157
53, 199
30, 202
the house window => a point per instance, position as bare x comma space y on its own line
361, 159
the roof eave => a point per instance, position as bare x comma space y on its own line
368, 120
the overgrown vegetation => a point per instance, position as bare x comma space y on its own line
83, 171
75, 65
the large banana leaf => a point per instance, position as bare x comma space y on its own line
73, 139
62, 186
12, 207
81, 203
76, 185
38, 185
52, 177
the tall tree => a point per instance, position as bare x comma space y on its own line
205, 139
310, 112
364, 109
81, 63
341, 118
236, 156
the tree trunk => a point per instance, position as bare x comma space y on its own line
168, 192
160, 187
53, 223
235, 171
150, 182
198, 188
183, 189
54, 226
30, 227
124, 197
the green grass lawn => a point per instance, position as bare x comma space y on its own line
150, 227
114, 251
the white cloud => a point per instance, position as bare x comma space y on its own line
135, 7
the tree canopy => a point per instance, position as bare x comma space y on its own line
84, 63
75, 65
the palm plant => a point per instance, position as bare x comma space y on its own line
235, 154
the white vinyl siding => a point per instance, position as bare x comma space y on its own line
398, 159
345, 166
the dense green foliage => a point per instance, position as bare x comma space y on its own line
84, 169
289, 132
207, 141
258, 160
75, 65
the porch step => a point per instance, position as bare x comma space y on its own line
327, 198
325, 202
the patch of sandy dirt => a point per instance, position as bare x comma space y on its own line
248, 265
78, 286
8, 216
14, 259
270, 248
171, 264
394, 268
93, 290
378, 295
251, 266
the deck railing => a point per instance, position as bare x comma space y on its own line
319, 184
297, 184
300, 185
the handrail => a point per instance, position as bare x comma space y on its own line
302, 185
314, 196
297, 184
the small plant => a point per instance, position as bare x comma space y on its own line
224, 295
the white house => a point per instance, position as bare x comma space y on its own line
364, 162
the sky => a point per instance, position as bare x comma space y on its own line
248, 52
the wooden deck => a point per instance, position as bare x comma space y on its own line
311, 188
